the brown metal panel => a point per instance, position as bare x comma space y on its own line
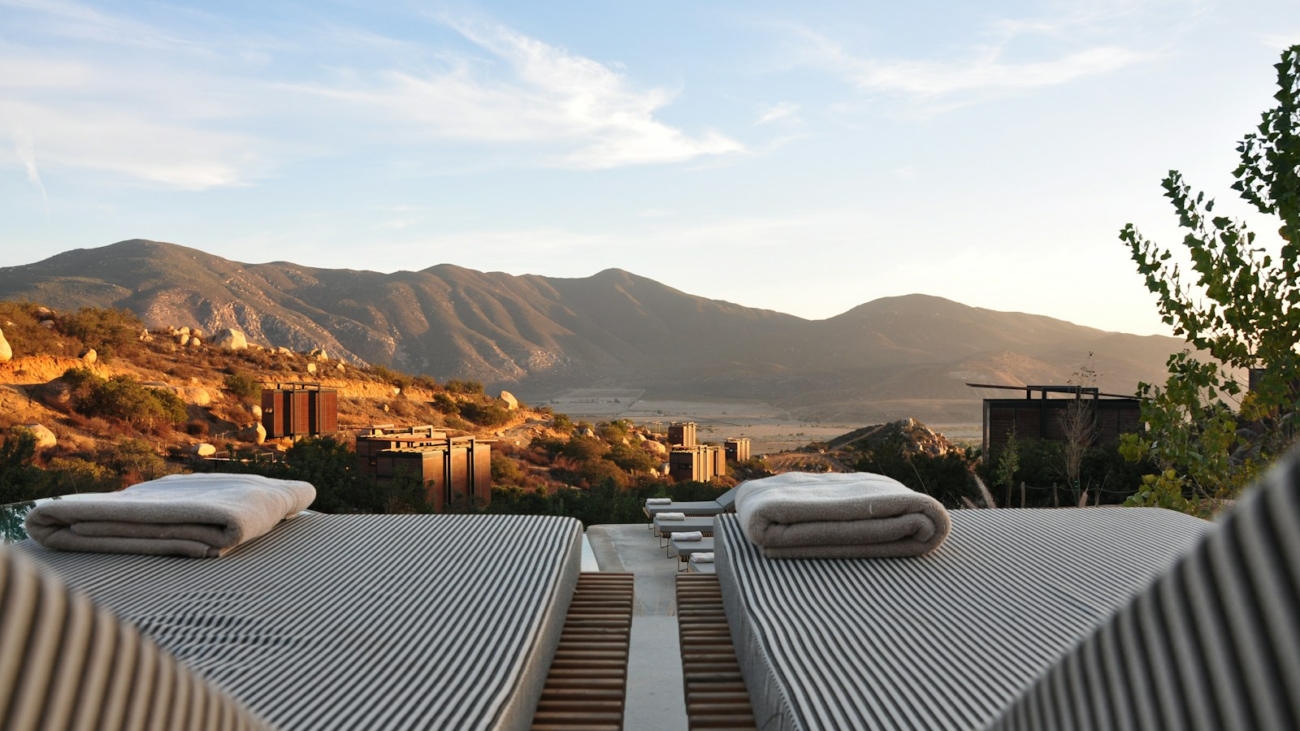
435, 484
459, 487
482, 474
274, 414
323, 412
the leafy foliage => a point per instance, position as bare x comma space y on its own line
110, 332
1040, 465
946, 478
244, 386
468, 388
122, 397
484, 414
600, 504
1243, 308
341, 487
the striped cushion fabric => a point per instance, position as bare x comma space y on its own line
944, 641
359, 621
66, 664
1214, 644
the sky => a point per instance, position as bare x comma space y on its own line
802, 157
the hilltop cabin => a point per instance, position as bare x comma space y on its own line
737, 449
453, 469
681, 434
299, 409
1044, 418
700, 463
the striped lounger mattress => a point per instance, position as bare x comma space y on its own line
359, 621
945, 641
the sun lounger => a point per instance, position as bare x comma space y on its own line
726, 502
358, 621
1089, 620
700, 567
65, 663
943, 641
663, 528
684, 549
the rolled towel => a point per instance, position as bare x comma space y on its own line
690, 535
200, 516
659, 501
702, 557
855, 515
671, 516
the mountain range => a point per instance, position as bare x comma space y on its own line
891, 357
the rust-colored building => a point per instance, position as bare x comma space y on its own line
681, 434
700, 463
453, 469
299, 410
1045, 418
737, 449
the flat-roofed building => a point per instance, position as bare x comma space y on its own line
299, 409
699, 463
737, 449
681, 434
452, 469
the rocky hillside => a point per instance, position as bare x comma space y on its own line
892, 357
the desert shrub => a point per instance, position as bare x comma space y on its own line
631, 459
614, 431
197, 428
244, 387
445, 404
123, 398
947, 478
20, 479
110, 332
596, 472
136, 461
73, 474
489, 414
427, 383
24, 333
387, 375
603, 502
468, 388
582, 449
505, 471
341, 487
562, 423
1039, 465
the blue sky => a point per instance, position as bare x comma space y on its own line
803, 157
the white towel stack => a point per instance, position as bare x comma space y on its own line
702, 557
659, 501
672, 516
690, 535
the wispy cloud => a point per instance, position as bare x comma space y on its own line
999, 57
25, 149
583, 114
784, 110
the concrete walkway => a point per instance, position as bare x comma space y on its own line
655, 699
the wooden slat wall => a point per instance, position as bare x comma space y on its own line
716, 697
587, 684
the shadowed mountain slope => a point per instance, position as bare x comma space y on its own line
538, 334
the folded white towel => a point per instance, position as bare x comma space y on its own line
659, 501
855, 515
671, 516
178, 515
690, 535
702, 557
